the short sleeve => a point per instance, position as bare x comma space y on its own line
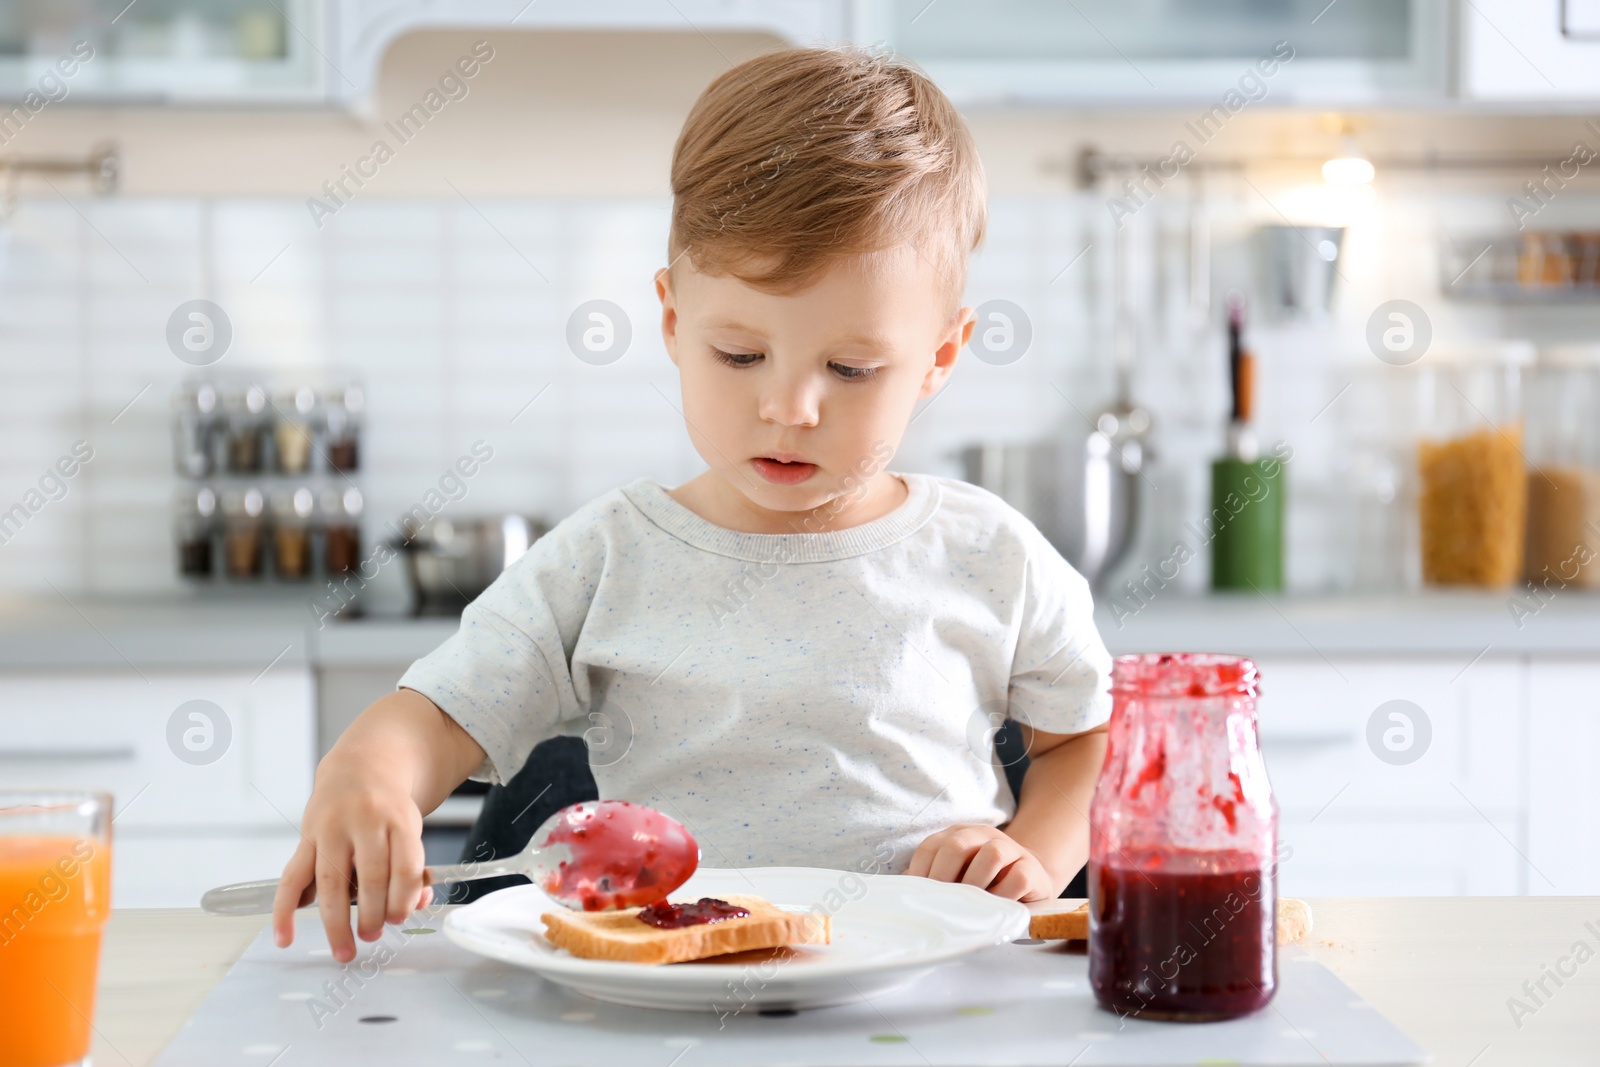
1061, 673
505, 675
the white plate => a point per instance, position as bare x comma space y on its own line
888, 931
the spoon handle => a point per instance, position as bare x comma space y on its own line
243, 898
467, 872
255, 898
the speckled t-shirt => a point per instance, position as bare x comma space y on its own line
794, 699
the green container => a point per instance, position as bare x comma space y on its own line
1246, 525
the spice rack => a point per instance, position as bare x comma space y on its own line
1536, 266
269, 480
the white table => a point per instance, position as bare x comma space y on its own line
1442, 969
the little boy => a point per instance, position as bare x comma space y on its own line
798, 654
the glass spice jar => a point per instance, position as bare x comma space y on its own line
246, 424
294, 433
194, 415
1544, 260
291, 534
1586, 256
344, 407
196, 528
1563, 447
243, 537
1472, 488
1183, 844
342, 530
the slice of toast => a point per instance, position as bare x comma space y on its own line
1294, 922
1071, 925
619, 935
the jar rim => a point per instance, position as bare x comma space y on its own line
1184, 674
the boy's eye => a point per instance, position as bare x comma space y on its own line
853, 374
747, 359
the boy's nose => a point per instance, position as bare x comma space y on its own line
791, 403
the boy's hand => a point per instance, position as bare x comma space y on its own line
362, 828
358, 839
985, 857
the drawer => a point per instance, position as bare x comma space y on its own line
1314, 735
246, 760
1350, 858
1564, 794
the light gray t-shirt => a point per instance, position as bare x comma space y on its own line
813, 699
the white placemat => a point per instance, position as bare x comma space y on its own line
415, 998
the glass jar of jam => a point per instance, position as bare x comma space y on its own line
1183, 839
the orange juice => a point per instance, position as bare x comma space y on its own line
55, 896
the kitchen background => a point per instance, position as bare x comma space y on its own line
430, 310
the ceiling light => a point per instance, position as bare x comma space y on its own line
1348, 170
1350, 166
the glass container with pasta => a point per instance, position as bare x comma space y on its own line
1563, 446
1472, 480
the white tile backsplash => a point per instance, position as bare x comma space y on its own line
454, 314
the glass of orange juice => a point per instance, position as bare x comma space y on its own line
55, 896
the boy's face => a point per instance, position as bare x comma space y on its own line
796, 399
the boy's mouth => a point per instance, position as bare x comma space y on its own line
783, 472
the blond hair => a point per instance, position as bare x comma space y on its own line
795, 159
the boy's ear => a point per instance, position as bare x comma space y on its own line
669, 312
944, 357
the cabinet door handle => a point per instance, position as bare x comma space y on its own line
125, 754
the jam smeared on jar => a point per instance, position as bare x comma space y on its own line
622, 855
1183, 841
1226, 805
667, 916
1183, 944
1152, 772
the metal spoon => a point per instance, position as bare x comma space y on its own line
600, 855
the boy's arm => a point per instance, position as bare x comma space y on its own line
1045, 844
1052, 819
363, 824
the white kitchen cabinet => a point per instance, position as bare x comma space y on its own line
1532, 51
1453, 820
1113, 51
364, 29
173, 870
1399, 856
181, 51
1314, 726
314, 51
1564, 802
209, 771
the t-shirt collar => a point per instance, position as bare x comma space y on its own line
921, 502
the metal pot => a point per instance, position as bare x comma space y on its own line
450, 561
1300, 269
1081, 492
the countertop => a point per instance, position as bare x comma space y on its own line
1443, 969
237, 632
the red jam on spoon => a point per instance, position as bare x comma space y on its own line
620, 855
665, 916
